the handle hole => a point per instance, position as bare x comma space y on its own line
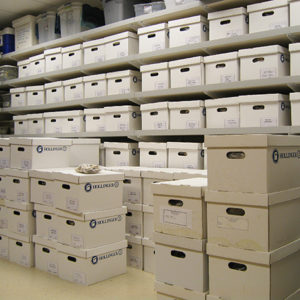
35, 93
24, 68
54, 90
53, 120
222, 109
73, 87
118, 80
66, 186
129, 247
153, 113
117, 116
152, 153
41, 182
150, 36
94, 49
71, 54
17, 213
70, 119
184, 111
235, 211
46, 250
34, 121
94, 84
258, 107
47, 217
178, 254
154, 74
17, 95
96, 118
72, 258
16, 181
268, 13
1, 149
237, 266
184, 28
258, 59
20, 123
19, 244
21, 149
37, 63
129, 214
53, 58
182, 154
70, 222
236, 155
220, 66
117, 152
225, 22
127, 181
116, 44
183, 70
175, 202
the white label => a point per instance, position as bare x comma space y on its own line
231, 123
268, 122
268, 73
79, 278
157, 46
234, 32
4, 163
124, 91
2, 193
193, 81
123, 126
135, 229
161, 85
75, 128
4, 252
3, 223
123, 164
72, 204
225, 78
48, 199
21, 228
279, 24
192, 39
190, 124
52, 268
159, 164
26, 164
24, 260
21, 197
160, 125
122, 53
134, 261
133, 197
77, 241
176, 216
52, 233
234, 223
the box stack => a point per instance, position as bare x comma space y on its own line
253, 205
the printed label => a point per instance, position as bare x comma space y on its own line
52, 233
3, 223
160, 125
133, 197
72, 204
21, 197
159, 164
4, 252
2, 193
225, 78
176, 216
4, 163
26, 164
268, 122
77, 241
161, 85
268, 73
193, 81
234, 32
52, 268
124, 91
24, 260
233, 223
192, 39
190, 124
134, 261
231, 123
189, 166
48, 199
278, 24
58, 129
75, 129
156, 47
123, 126
21, 228
79, 278
135, 229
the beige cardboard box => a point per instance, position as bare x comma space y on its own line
91, 230
179, 207
254, 275
3, 215
148, 221
93, 51
260, 222
3, 244
135, 252
149, 255
253, 163
188, 173
88, 266
4, 153
94, 119
295, 108
3, 185
79, 193
54, 92
134, 220
155, 116
153, 155
181, 261
46, 255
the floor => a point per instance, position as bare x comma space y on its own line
17, 282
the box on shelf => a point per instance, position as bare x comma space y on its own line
53, 59
24, 68
228, 23
46, 222
148, 221
94, 51
155, 77
94, 119
135, 252
153, 155
54, 122
149, 255
295, 108
188, 31
35, 95
3, 244
4, 153
123, 82
253, 163
18, 97
36, 124
20, 125
8, 40
3, 213
223, 112
73, 89
54, 92
95, 86
268, 15
25, 32
37, 64
174, 3
46, 26
264, 62
72, 56
155, 116
148, 8
294, 10
222, 68
121, 154
153, 38
134, 222
295, 58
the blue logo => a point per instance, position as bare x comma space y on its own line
204, 111
205, 28
88, 187
134, 114
116, 184
135, 79
119, 218
84, 118
34, 213
282, 58
93, 223
64, 148
39, 149
247, 20
275, 156
202, 153
282, 106
94, 260
133, 151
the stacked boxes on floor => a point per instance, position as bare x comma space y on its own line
253, 205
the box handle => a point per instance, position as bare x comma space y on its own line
268, 13
1, 149
20, 123
152, 35
35, 93
178, 254
152, 153
154, 74
220, 66
21, 149
54, 90
24, 67
70, 119
129, 214
235, 211
116, 44
53, 120
184, 111
0, 238
70, 222
34, 121
222, 109
184, 70
37, 63
71, 54
53, 58
182, 153
175, 202
19, 244
225, 22
118, 80
94, 84
46, 250
94, 49
73, 87
72, 258
129, 247
96, 118
184, 28
116, 152
117, 116
47, 217
17, 95
66, 186
236, 155
41, 182
258, 59
16, 181
258, 107
127, 181
17, 213
237, 266
153, 113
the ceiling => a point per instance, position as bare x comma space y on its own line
13, 9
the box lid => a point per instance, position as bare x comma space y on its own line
36, 57
44, 242
189, 173
53, 51
122, 74
73, 81
20, 117
158, 173
92, 43
184, 146
222, 102
187, 21
19, 205
34, 116
19, 237
34, 88
7, 30
147, 242
71, 48
294, 47
294, 97
122, 108
226, 13
119, 36
267, 5
153, 106
69, 113
134, 207
134, 239
127, 170
17, 173
17, 90
4, 141
94, 111
39, 141
186, 104
221, 57
148, 209
186, 62
53, 84
44, 208
275, 49
94, 77
23, 21
44, 173
154, 67
179, 241
80, 141
152, 28
111, 145
247, 99
147, 145
23, 62
251, 141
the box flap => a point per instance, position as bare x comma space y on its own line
69, 113
267, 5
17, 90
189, 173
94, 111
121, 108
44, 173
92, 43
152, 28
294, 97
34, 116
20, 118
45, 209
186, 62
184, 146
23, 62
157, 146
147, 242
266, 50
222, 102
80, 141
40, 141
126, 146
221, 57
294, 47
134, 207
73, 81
4, 141
19, 205
53, 84
148, 209
133, 239
125, 73
158, 173
34, 88
187, 21
154, 67
127, 170
94, 77
248, 99
71, 48
227, 13
41, 241
36, 57
19, 237
186, 104
17, 173
154, 106
119, 36
53, 51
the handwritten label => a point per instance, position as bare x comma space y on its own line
268, 122
72, 204
52, 233
176, 216
234, 223
160, 125
52, 268
79, 278
133, 197
231, 123
21, 228
77, 241
48, 198
135, 229
268, 73
192, 39
161, 85
26, 164
225, 78
193, 81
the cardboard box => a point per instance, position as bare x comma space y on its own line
134, 221
94, 51
295, 58
188, 31
153, 37
54, 92
187, 114
223, 112
268, 15
153, 155
95, 86
181, 261
35, 95
18, 97
39, 153
53, 59
3, 244
295, 108
88, 266
253, 163
187, 72
37, 64
253, 275
228, 23
264, 62
73, 89
36, 124
294, 10
72, 56
149, 255
24, 68
135, 253
148, 221
155, 116
179, 207
188, 173
20, 125
94, 119
3, 215
4, 153
102, 155
222, 68
79, 193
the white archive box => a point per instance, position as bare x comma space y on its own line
4, 153
188, 31
267, 110
39, 153
3, 215
73, 89
35, 95
122, 118
264, 62
20, 218
179, 207
187, 114
84, 151
153, 155
185, 155
24, 68
54, 92
222, 68
295, 58
268, 15
295, 108
91, 229
46, 222
53, 59
294, 11
18, 186
223, 112
79, 193
155, 77
149, 255
20, 249
155, 116
187, 72
72, 56
134, 252
181, 261
148, 221
37, 64
94, 119
88, 266
46, 255
253, 274
36, 123
153, 37
20, 125
123, 82
121, 154
134, 221
94, 51
95, 86
121, 45
3, 244
18, 97
54, 122
174, 3
228, 23
253, 163
251, 221
3, 186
